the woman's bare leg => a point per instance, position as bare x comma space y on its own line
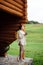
22, 52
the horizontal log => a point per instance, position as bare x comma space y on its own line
10, 10
25, 13
25, 5
6, 36
1, 0
9, 26
7, 32
11, 6
20, 1
9, 29
15, 4
12, 25
25, 1
8, 39
24, 20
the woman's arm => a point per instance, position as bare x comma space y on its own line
25, 34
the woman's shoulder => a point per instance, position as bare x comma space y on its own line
22, 32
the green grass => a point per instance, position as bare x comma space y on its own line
34, 46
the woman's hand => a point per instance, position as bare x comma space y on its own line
25, 34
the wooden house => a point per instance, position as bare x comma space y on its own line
13, 13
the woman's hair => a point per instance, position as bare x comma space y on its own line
20, 26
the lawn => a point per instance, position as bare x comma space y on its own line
34, 46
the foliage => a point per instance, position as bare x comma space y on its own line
32, 22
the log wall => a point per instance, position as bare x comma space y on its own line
12, 14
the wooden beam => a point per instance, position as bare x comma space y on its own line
10, 10
8, 39
9, 29
15, 3
25, 5
1, 0
20, 1
11, 6
25, 1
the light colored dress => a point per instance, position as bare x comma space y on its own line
21, 37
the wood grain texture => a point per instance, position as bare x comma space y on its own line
11, 6
15, 3
10, 10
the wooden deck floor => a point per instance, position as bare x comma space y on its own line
12, 60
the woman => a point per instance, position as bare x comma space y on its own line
22, 41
